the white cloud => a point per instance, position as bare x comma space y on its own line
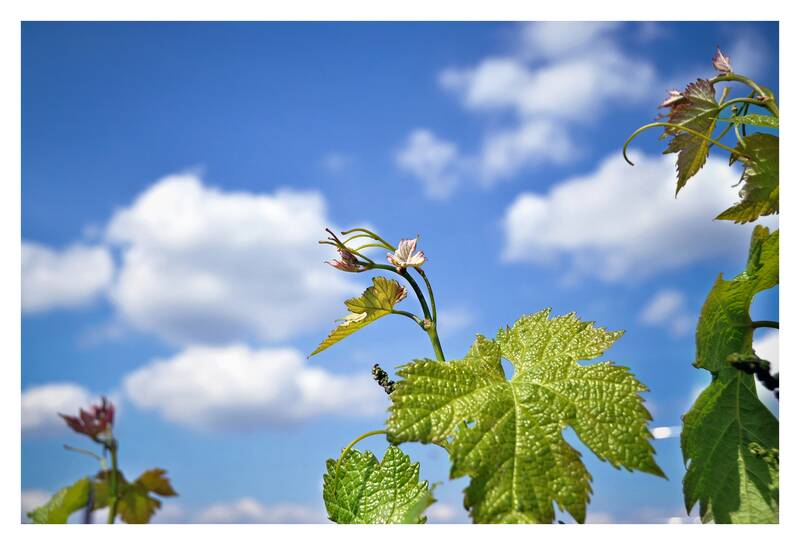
251, 511
444, 513
505, 152
30, 500
41, 405
202, 265
434, 161
72, 277
239, 388
668, 308
620, 222
569, 88
553, 39
765, 345
561, 75
666, 432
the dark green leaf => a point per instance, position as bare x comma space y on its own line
729, 480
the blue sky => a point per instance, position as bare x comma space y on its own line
176, 178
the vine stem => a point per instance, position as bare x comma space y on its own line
765, 323
746, 100
768, 103
409, 315
112, 510
693, 132
430, 293
350, 446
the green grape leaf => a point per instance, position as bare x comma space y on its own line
62, 504
135, 505
377, 301
760, 192
724, 325
731, 482
698, 110
756, 120
365, 491
506, 435
154, 480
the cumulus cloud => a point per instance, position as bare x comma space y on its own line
621, 222
71, 277
238, 388
202, 265
41, 405
251, 511
553, 81
667, 308
553, 39
434, 161
569, 88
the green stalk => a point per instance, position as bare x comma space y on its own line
112, 510
673, 126
430, 293
431, 329
352, 443
765, 323
768, 103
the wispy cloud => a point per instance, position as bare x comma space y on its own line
668, 308
552, 80
336, 162
251, 511
435, 162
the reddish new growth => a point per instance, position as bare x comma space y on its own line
95, 422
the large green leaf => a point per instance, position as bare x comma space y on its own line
760, 192
507, 435
365, 491
377, 301
724, 327
698, 110
62, 504
728, 426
